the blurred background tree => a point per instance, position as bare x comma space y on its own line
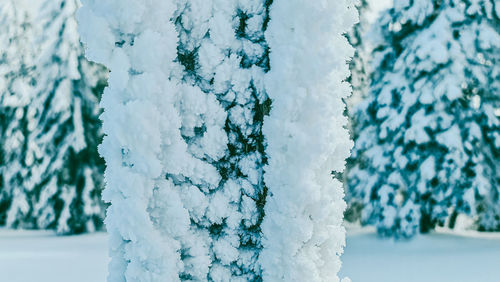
51, 173
427, 140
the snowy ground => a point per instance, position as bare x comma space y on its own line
437, 257
27, 256
34, 256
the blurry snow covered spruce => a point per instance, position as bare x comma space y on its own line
359, 80
359, 64
190, 130
50, 171
428, 147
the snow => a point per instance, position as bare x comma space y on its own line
27, 256
413, 104
31, 6
180, 123
305, 205
437, 257
376, 6
49, 125
201, 125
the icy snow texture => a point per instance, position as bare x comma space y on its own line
52, 174
429, 137
306, 138
224, 54
184, 148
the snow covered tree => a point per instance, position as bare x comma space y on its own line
15, 77
359, 77
52, 173
359, 80
184, 145
429, 140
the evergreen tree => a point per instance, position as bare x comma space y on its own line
16, 81
51, 171
184, 146
359, 66
429, 141
359, 80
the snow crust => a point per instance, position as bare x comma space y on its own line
140, 121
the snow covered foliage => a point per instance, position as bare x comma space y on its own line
15, 77
184, 145
359, 65
306, 139
429, 136
359, 80
51, 171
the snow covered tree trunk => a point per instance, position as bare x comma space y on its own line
184, 147
52, 173
306, 139
224, 54
429, 137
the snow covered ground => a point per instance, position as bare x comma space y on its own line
40, 256
437, 257
34, 256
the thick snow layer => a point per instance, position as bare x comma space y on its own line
438, 257
184, 147
306, 139
183, 135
